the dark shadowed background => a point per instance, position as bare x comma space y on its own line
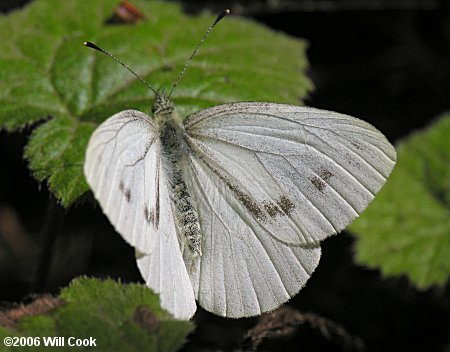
387, 62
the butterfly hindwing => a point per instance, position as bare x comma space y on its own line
243, 271
164, 269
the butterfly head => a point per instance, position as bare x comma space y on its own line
162, 105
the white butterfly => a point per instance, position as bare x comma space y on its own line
229, 207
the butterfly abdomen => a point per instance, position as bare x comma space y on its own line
184, 211
187, 217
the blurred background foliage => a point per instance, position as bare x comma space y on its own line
387, 62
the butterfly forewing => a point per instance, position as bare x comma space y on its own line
121, 153
124, 168
303, 174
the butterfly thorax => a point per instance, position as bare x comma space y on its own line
174, 148
163, 108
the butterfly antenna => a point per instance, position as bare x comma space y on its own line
93, 46
222, 15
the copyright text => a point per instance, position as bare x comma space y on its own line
49, 341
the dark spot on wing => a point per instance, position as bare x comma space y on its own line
127, 192
285, 204
320, 181
147, 218
356, 145
272, 209
251, 205
128, 195
282, 207
152, 218
325, 174
248, 202
352, 160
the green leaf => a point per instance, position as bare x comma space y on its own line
121, 317
46, 73
55, 152
406, 230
